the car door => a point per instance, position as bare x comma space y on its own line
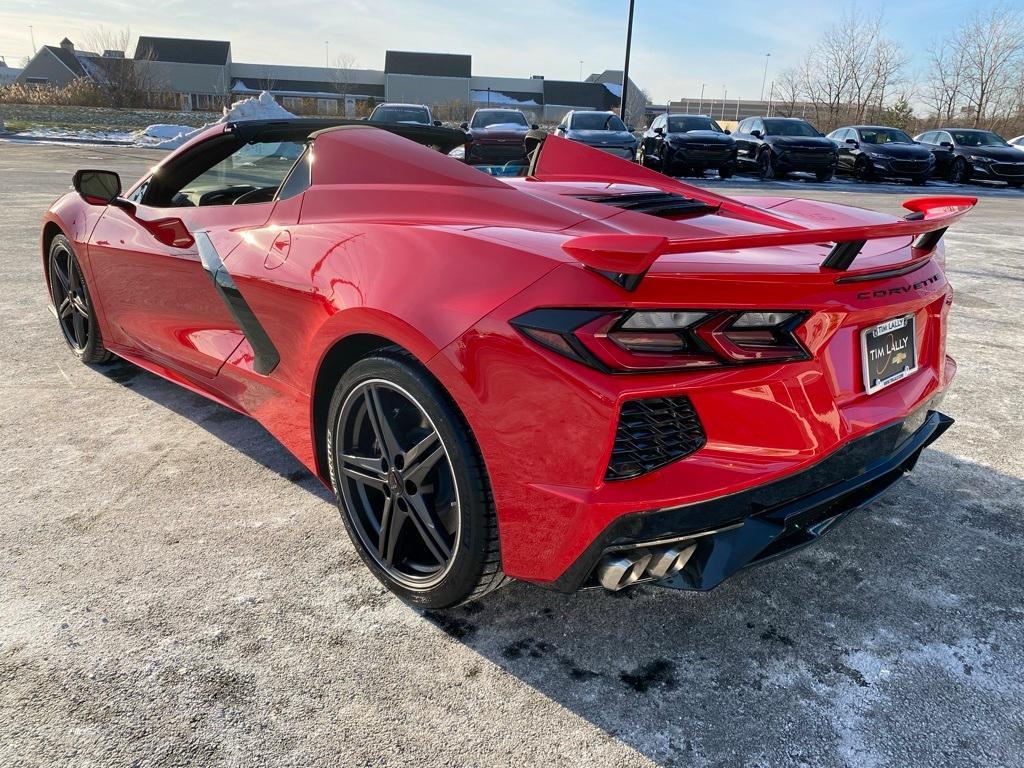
744, 140
846, 150
652, 139
944, 152
157, 299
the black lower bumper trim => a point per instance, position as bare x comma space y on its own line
775, 518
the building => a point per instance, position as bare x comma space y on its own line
734, 110
201, 75
7, 74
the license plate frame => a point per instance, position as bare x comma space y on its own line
888, 352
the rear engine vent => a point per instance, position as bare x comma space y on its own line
653, 433
667, 205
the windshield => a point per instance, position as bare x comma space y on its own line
883, 136
596, 121
401, 115
788, 128
684, 123
486, 118
977, 139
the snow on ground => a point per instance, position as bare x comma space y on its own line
496, 98
262, 107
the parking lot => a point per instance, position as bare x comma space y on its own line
176, 590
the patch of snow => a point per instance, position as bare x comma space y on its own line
262, 107
614, 88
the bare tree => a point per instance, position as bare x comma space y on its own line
127, 82
637, 100
994, 48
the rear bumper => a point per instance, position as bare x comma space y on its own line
766, 521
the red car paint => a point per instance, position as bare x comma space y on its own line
400, 242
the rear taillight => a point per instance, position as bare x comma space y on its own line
645, 340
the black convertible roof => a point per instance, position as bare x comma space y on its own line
299, 128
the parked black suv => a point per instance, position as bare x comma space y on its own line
871, 152
962, 154
600, 130
687, 144
775, 146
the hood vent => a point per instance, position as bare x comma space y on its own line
667, 205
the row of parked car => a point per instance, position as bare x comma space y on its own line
771, 147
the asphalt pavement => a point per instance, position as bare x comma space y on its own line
176, 590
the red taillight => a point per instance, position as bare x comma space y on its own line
644, 340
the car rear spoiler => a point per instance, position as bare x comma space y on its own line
625, 259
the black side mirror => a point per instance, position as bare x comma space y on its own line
97, 187
659, 131
464, 126
534, 126
728, 132
437, 123
946, 145
631, 128
756, 134
563, 127
852, 142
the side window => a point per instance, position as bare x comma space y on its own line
299, 179
926, 138
251, 174
944, 136
744, 126
757, 125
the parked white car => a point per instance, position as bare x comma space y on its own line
1018, 143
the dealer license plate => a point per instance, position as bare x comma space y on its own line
888, 352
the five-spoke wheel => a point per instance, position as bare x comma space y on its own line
70, 297
410, 484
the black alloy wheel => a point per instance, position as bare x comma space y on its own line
666, 164
726, 171
410, 484
766, 165
959, 172
71, 302
863, 169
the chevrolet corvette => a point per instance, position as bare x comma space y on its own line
591, 375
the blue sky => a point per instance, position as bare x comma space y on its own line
677, 45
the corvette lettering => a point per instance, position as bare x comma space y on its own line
901, 290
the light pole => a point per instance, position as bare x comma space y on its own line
625, 68
725, 95
581, 70
700, 104
32, 34
327, 53
764, 79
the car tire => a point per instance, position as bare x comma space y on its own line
422, 518
726, 172
823, 176
919, 181
72, 303
959, 171
641, 157
766, 165
666, 165
863, 170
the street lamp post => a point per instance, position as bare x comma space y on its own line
764, 78
725, 95
327, 53
700, 104
625, 68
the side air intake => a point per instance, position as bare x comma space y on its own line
652, 433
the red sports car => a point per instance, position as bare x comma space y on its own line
592, 375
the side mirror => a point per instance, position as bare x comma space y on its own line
437, 123
659, 131
97, 187
756, 134
464, 126
728, 132
946, 145
852, 142
563, 128
631, 128
534, 126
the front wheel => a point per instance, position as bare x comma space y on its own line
918, 181
411, 485
73, 304
959, 172
726, 171
825, 175
863, 170
766, 165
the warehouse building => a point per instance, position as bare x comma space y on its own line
202, 75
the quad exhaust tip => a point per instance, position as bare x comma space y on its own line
619, 570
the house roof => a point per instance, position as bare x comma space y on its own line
432, 64
182, 50
68, 59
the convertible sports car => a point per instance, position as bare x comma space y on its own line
592, 375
